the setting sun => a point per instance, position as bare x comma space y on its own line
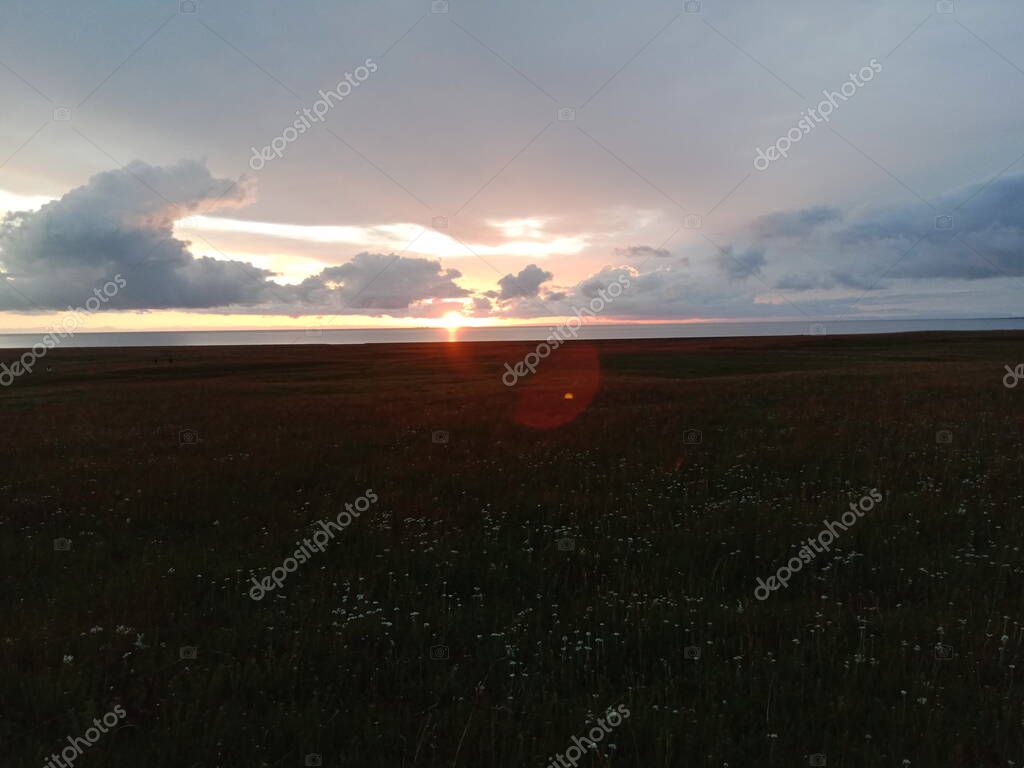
452, 320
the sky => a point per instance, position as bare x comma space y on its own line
219, 165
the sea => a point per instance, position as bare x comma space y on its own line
691, 330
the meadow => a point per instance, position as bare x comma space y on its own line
536, 555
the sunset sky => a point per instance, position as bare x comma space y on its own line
501, 162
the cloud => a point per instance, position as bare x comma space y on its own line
525, 285
481, 306
593, 285
121, 223
799, 283
985, 239
642, 252
799, 223
802, 282
861, 283
740, 266
906, 242
667, 290
379, 281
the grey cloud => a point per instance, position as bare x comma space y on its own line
907, 241
795, 223
742, 265
861, 283
801, 282
593, 285
991, 220
798, 283
667, 291
642, 252
121, 223
525, 285
379, 281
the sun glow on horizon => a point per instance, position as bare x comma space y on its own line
452, 320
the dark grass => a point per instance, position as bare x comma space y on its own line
461, 551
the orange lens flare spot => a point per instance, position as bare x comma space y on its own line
562, 388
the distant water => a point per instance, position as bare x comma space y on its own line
522, 333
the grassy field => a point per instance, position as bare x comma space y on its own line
589, 538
